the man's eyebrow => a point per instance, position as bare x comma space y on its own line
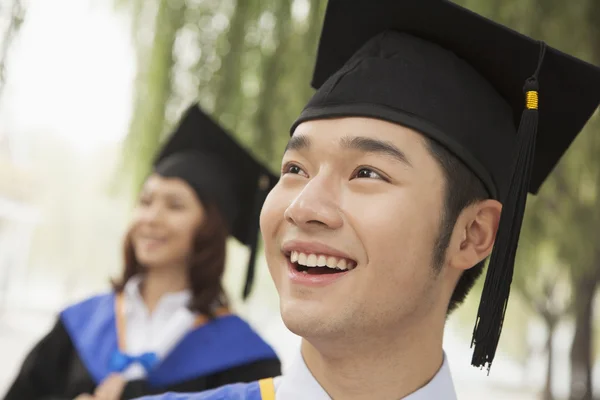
297, 143
370, 145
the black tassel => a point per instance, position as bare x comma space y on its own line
496, 289
254, 232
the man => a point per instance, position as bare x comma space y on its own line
409, 166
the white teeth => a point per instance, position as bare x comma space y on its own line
302, 259
320, 260
331, 262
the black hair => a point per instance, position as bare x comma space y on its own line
462, 189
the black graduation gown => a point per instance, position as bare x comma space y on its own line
72, 358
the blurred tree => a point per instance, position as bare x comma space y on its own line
152, 92
556, 249
575, 183
16, 17
250, 63
587, 280
290, 88
540, 279
228, 80
272, 72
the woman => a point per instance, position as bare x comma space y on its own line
165, 326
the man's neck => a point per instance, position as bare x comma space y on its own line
159, 282
379, 368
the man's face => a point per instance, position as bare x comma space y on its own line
364, 196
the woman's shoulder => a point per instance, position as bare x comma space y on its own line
233, 324
231, 334
91, 302
95, 306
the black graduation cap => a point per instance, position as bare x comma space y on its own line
220, 170
470, 84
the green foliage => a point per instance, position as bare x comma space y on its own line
248, 63
153, 90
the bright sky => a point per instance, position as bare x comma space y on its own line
71, 73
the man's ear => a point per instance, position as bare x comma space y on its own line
474, 234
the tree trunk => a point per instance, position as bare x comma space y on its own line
230, 76
311, 43
550, 326
271, 72
586, 284
16, 19
581, 349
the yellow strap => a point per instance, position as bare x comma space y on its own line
267, 389
120, 320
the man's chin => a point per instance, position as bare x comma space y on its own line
305, 319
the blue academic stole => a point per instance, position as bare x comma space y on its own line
96, 330
258, 390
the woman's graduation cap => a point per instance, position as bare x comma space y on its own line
470, 84
221, 171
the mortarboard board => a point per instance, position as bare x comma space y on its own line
219, 170
470, 84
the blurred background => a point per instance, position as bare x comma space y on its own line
89, 88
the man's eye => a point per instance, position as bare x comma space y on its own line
366, 173
292, 169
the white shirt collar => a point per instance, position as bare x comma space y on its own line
298, 383
158, 332
441, 387
135, 303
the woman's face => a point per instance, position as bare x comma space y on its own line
165, 222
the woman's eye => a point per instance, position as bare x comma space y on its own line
367, 173
176, 206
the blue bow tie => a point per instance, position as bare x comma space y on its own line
120, 361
